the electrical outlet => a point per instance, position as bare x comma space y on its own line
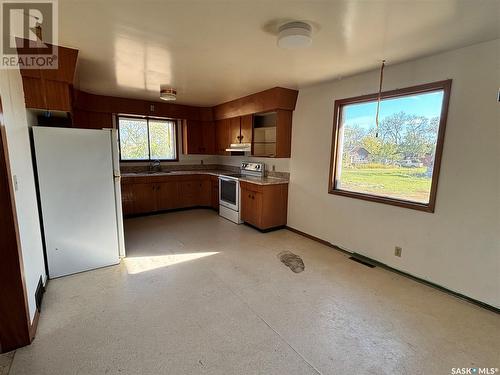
398, 251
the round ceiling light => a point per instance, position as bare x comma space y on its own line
168, 93
294, 35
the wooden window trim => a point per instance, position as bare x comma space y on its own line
147, 118
445, 86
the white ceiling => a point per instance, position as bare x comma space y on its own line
214, 51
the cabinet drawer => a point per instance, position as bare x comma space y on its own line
252, 187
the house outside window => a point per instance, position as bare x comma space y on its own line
397, 163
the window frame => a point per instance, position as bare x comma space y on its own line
147, 118
444, 86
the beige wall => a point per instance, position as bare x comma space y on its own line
458, 246
16, 126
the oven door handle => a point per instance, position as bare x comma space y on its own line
228, 179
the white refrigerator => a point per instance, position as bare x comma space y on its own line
79, 187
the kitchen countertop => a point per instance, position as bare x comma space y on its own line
250, 179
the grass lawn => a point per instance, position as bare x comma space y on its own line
397, 182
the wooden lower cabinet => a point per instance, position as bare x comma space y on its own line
142, 195
264, 206
204, 192
167, 196
214, 198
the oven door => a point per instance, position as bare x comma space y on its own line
229, 193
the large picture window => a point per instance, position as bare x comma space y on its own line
397, 162
143, 139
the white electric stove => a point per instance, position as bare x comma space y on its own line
229, 189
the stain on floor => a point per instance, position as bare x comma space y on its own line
292, 261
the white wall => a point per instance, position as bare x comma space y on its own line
458, 246
11, 91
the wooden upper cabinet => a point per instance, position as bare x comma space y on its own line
208, 137
198, 137
241, 129
50, 89
246, 128
264, 101
283, 134
58, 96
222, 136
235, 129
191, 137
65, 71
92, 120
34, 93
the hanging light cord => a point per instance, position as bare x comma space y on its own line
379, 96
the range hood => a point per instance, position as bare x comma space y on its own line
240, 147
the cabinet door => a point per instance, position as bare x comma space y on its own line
274, 206
251, 207
192, 137
246, 205
188, 193
34, 94
235, 129
208, 137
167, 195
257, 199
58, 95
222, 136
127, 199
204, 196
99, 120
246, 128
214, 192
283, 134
144, 198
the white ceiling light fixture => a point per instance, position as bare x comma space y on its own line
293, 35
168, 93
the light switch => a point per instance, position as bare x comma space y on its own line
16, 187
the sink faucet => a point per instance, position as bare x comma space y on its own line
155, 165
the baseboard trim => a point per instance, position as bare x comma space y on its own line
34, 325
266, 230
402, 273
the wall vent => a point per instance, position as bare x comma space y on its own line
364, 263
40, 290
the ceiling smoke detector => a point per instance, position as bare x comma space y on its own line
293, 35
168, 93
